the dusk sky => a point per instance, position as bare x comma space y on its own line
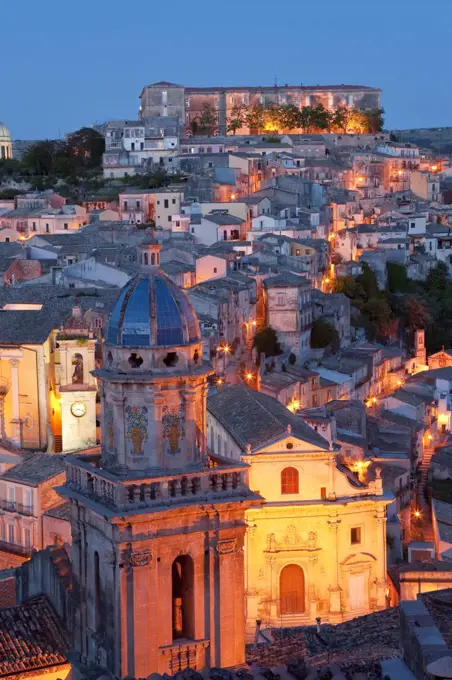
73, 63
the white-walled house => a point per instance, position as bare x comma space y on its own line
218, 226
210, 267
91, 273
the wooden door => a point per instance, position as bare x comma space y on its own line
291, 589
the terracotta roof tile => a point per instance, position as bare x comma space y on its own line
31, 637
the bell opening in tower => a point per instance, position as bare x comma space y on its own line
183, 597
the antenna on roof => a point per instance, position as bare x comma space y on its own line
276, 81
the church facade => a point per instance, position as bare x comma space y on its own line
316, 546
158, 526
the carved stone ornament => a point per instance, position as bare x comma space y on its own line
140, 559
226, 546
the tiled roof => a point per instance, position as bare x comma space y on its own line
36, 469
31, 638
255, 418
7, 588
62, 511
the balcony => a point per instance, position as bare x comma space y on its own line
222, 481
15, 549
13, 506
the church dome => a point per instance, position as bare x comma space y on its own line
5, 135
152, 312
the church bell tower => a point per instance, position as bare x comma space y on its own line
158, 523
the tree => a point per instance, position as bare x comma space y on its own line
323, 333
340, 119
437, 279
378, 312
208, 121
374, 120
39, 158
194, 126
320, 117
237, 119
290, 117
87, 147
266, 342
417, 315
397, 277
368, 281
306, 119
255, 118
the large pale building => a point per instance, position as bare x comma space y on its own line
158, 526
317, 545
186, 103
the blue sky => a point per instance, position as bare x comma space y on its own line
69, 63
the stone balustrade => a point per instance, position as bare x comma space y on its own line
127, 494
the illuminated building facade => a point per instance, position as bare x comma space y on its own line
157, 525
317, 545
168, 99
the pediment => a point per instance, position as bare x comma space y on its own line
289, 443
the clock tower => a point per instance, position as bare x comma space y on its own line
78, 387
158, 522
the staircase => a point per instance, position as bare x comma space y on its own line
423, 503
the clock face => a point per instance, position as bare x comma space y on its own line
78, 409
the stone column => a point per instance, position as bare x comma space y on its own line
231, 602
381, 583
139, 562
331, 486
334, 588
15, 422
312, 595
155, 422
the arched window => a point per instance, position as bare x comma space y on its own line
153, 258
289, 480
183, 581
77, 364
291, 590
146, 259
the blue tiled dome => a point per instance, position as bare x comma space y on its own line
152, 312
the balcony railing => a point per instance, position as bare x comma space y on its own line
14, 506
122, 494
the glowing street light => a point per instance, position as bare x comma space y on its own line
417, 514
220, 381
249, 376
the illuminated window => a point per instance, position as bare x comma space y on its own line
289, 480
355, 535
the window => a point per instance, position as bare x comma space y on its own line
27, 538
125, 205
47, 228
34, 226
11, 538
66, 225
355, 535
289, 480
280, 300
138, 204
166, 203
7, 239
173, 201
323, 493
214, 270
412, 225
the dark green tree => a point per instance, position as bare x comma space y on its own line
255, 118
86, 146
266, 342
438, 279
237, 118
324, 334
397, 277
208, 120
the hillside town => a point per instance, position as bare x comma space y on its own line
226, 392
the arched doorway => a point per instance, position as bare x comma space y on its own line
291, 589
183, 597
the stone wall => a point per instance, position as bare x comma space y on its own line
420, 639
48, 573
